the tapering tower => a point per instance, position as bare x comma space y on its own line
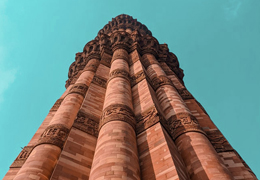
126, 114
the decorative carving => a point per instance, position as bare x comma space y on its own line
55, 134
166, 69
160, 81
149, 45
119, 73
147, 119
124, 21
183, 122
112, 38
79, 88
99, 81
148, 59
87, 124
117, 112
218, 141
56, 105
121, 40
185, 94
138, 77
21, 158
92, 50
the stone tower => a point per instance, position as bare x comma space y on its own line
126, 114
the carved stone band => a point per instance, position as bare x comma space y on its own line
182, 123
79, 88
21, 158
119, 73
56, 105
138, 77
218, 141
54, 134
99, 81
160, 81
185, 94
146, 119
120, 45
147, 60
86, 123
117, 112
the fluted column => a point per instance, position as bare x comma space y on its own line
197, 152
116, 151
44, 156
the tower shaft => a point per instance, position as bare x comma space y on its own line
126, 114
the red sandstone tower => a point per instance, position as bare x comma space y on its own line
126, 114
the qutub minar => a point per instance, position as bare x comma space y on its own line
126, 114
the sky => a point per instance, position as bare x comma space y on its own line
217, 43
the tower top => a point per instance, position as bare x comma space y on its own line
129, 34
124, 22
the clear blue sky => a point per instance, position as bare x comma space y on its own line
217, 43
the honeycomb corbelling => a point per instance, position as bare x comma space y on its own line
123, 32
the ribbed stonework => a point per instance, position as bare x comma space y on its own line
126, 114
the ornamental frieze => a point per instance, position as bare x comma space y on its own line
136, 78
79, 88
147, 119
182, 123
21, 158
56, 105
218, 141
119, 73
148, 60
86, 123
99, 81
160, 81
166, 69
117, 112
55, 134
185, 94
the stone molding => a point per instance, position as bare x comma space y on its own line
99, 81
136, 78
185, 94
160, 81
124, 21
56, 105
147, 119
55, 134
182, 123
119, 73
218, 141
22, 157
146, 61
117, 112
79, 88
86, 123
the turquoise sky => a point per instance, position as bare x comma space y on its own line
217, 43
